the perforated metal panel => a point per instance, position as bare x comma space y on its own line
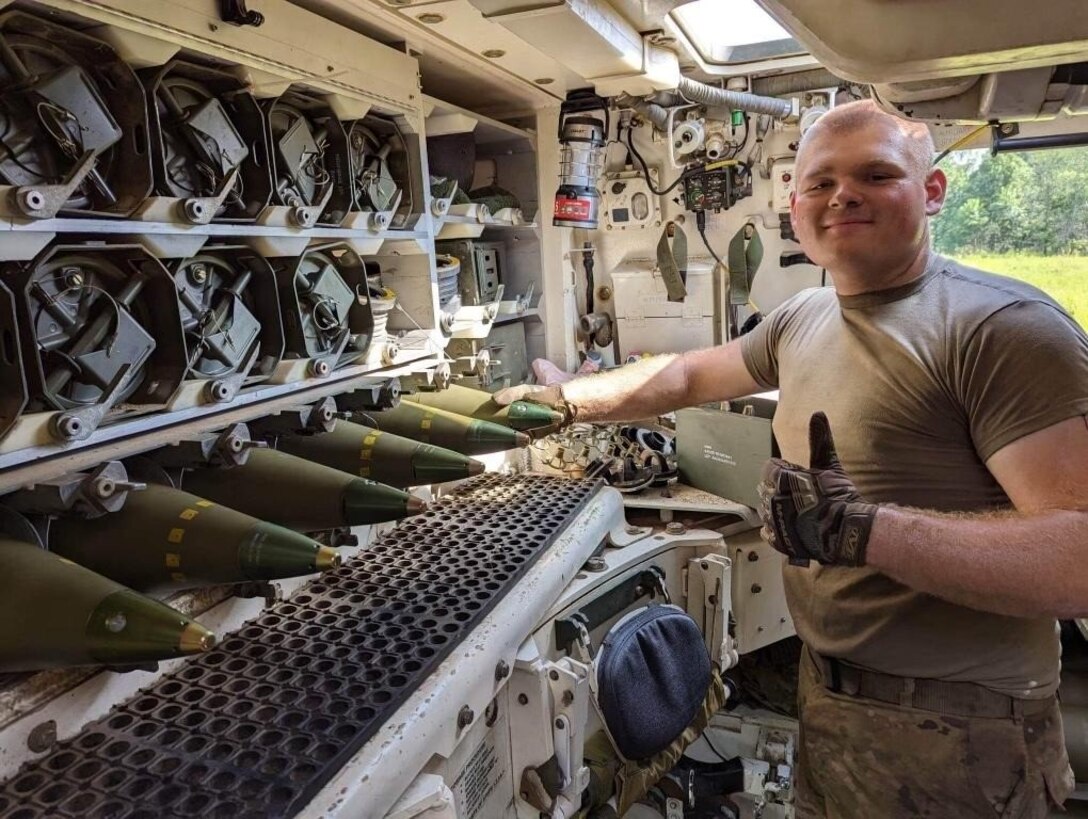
257, 726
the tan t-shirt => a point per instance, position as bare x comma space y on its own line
921, 384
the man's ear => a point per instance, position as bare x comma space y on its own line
936, 189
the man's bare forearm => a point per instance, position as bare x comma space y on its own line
661, 384
1014, 564
644, 389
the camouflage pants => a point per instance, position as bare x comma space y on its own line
863, 759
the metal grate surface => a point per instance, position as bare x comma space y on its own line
256, 727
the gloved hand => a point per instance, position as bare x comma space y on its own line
815, 513
550, 396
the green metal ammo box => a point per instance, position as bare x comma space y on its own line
722, 450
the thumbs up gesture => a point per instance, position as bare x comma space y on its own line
815, 513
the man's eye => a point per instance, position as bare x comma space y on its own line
815, 186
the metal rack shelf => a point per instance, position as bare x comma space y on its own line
131, 437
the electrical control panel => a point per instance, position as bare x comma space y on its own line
629, 204
716, 186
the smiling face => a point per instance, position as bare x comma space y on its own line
863, 196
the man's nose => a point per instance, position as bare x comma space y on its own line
845, 195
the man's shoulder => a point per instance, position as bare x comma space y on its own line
809, 299
973, 289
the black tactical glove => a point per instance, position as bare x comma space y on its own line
815, 513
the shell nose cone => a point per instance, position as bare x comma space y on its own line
475, 467
525, 414
326, 558
415, 505
195, 638
521, 439
370, 502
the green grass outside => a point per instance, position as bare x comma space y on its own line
1065, 278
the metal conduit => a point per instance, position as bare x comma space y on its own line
753, 103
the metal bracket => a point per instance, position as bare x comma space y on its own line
307, 216
374, 396
45, 201
236, 13
568, 630
380, 220
222, 390
78, 424
710, 604
318, 417
200, 210
89, 494
227, 448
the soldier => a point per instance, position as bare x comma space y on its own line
929, 565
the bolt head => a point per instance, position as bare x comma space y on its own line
553, 674
465, 717
523, 699
30, 200
218, 391
502, 670
104, 488
194, 211
68, 427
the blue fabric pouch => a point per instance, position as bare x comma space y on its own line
653, 672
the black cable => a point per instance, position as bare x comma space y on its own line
710, 745
646, 170
700, 226
743, 141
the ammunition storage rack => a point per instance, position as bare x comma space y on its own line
257, 726
199, 177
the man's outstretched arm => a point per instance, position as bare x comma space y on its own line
649, 387
1029, 563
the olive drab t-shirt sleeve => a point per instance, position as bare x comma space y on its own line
759, 348
1023, 369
